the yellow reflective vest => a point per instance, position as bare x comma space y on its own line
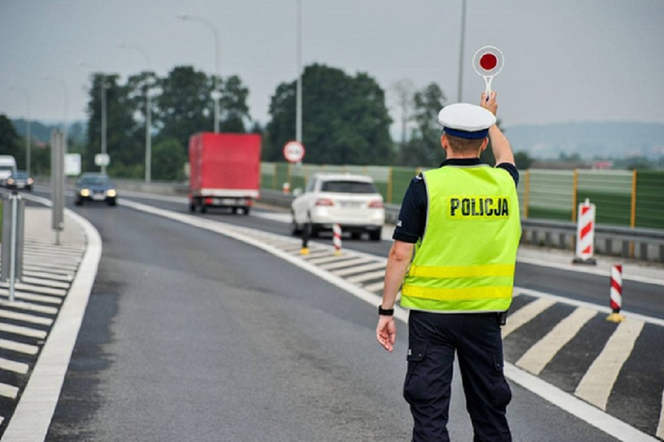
465, 260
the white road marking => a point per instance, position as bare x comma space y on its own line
9, 391
348, 261
596, 385
525, 314
375, 287
44, 282
25, 318
23, 331
540, 354
323, 257
16, 367
565, 401
660, 426
31, 297
19, 347
35, 409
367, 276
360, 269
29, 307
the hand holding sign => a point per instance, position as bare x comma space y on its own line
488, 62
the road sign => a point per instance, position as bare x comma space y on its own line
294, 151
72, 164
102, 159
488, 62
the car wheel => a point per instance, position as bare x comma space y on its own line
78, 202
112, 202
355, 235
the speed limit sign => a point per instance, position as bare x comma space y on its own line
294, 151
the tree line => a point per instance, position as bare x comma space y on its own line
345, 120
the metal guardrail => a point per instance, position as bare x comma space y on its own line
640, 243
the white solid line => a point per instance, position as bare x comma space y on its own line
565, 401
591, 271
603, 309
540, 354
576, 407
596, 385
660, 427
524, 315
35, 409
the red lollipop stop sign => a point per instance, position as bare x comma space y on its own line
488, 62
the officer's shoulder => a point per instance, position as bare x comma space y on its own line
419, 178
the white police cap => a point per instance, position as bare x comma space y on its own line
466, 120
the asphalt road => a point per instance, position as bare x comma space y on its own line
190, 335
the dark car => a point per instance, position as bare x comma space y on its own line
20, 180
95, 188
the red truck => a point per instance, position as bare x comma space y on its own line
224, 171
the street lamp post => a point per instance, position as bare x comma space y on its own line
66, 94
27, 119
104, 86
463, 37
298, 106
216, 95
148, 114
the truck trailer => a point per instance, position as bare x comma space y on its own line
224, 171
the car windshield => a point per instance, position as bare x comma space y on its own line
95, 181
20, 175
348, 187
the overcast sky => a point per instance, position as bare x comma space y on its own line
565, 60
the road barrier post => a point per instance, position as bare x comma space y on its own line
12, 241
336, 239
585, 234
616, 294
305, 239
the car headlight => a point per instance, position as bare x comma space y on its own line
30, 181
85, 192
111, 193
10, 181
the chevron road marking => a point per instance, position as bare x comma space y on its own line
9, 391
525, 314
597, 383
540, 354
565, 401
17, 367
18, 347
361, 269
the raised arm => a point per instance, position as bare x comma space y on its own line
502, 151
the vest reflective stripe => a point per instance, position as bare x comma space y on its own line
473, 223
468, 293
461, 271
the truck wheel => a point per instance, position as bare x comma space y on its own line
246, 210
203, 208
192, 207
374, 235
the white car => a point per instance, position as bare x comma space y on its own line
352, 201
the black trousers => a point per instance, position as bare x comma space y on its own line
433, 339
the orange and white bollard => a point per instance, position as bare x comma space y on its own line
336, 239
585, 234
616, 294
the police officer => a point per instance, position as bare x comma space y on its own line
459, 224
